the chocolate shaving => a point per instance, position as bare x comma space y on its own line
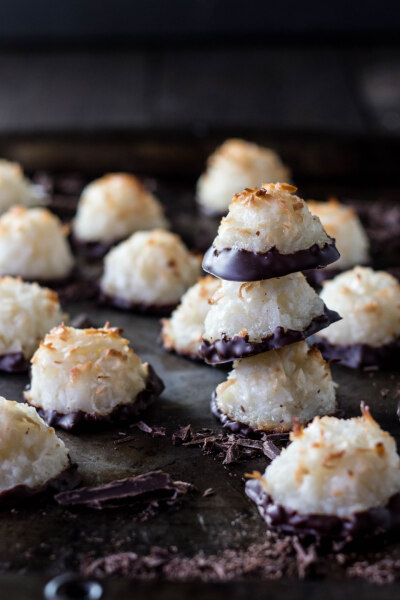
182, 435
229, 448
143, 489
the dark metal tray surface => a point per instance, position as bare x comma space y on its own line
40, 541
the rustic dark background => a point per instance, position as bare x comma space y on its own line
200, 67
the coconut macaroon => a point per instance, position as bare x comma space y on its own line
236, 165
268, 232
342, 223
183, 332
112, 208
369, 303
83, 377
33, 245
338, 477
32, 458
249, 318
149, 272
15, 188
27, 313
266, 392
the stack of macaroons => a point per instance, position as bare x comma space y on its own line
268, 232
33, 246
339, 478
149, 272
266, 392
85, 377
15, 189
264, 304
110, 209
343, 225
369, 333
33, 459
183, 331
27, 313
234, 166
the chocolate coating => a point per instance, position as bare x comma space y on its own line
316, 277
15, 362
81, 421
234, 426
243, 265
367, 523
229, 349
91, 250
66, 480
147, 309
359, 356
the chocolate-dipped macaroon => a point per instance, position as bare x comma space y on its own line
110, 209
249, 318
33, 246
236, 165
149, 272
341, 223
268, 232
27, 313
266, 392
16, 189
182, 332
32, 458
369, 333
82, 378
338, 478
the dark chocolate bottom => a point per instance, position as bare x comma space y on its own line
229, 349
236, 426
316, 277
359, 356
71, 288
147, 309
242, 428
67, 480
367, 523
243, 265
80, 421
15, 362
91, 250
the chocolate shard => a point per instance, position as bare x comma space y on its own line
19, 494
15, 362
161, 310
360, 356
182, 435
143, 489
270, 449
374, 521
80, 421
237, 264
230, 349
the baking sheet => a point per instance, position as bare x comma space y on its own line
42, 541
